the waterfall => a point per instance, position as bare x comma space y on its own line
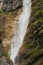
20, 32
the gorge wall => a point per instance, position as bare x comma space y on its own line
31, 52
8, 23
21, 30
9, 5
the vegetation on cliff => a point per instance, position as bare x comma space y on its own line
8, 23
31, 52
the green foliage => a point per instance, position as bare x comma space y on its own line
6, 54
1, 30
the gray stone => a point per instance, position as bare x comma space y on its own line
4, 61
8, 5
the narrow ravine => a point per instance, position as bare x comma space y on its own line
20, 32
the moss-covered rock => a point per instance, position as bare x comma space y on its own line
8, 23
31, 52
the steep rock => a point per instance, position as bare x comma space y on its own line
31, 52
8, 24
11, 22
8, 5
3, 59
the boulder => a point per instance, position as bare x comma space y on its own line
8, 5
4, 61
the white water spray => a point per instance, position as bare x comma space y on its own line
21, 29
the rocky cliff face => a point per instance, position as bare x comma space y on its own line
3, 59
7, 5
31, 52
8, 23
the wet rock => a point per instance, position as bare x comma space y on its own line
1, 49
7, 5
4, 61
33, 40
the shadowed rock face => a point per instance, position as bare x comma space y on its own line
8, 23
3, 59
7, 5
31, 52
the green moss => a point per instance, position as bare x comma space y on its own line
1, 30
36, 7
31, 44
41, 31
6, 54
36, 13
33, 50
39, 20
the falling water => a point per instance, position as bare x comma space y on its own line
21, 29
